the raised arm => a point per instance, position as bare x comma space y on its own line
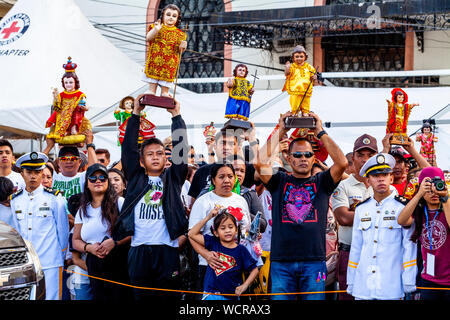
262, 165
339, 160
415, 154
130, 150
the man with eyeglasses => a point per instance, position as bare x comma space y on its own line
299, 213
70, 181
42, 219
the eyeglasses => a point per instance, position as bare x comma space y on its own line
299, 154
93, 179
69, 158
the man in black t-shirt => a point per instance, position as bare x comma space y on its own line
299, 213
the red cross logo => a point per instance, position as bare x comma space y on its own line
11, 29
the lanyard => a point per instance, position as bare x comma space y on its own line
430, 232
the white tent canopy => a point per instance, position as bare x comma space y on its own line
36, 38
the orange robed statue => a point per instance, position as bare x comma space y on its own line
398, 114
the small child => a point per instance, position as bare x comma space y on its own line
235, 257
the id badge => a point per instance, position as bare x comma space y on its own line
430, 264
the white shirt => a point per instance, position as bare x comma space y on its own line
6, 215
205, 203
382, 257
185, 198
266, 200
42, 219
94, 229
149, 223
348, 192
17, 180
69, 185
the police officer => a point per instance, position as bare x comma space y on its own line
382, 262
42, 219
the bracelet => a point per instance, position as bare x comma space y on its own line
443, 199
85, 245
212, 153
253, 143
321, 133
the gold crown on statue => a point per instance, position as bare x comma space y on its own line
69, 66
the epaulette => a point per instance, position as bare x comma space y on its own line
401, 199
15, 194
52, 191
363, 201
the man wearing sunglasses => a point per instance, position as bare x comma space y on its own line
69, 180
153, 213
299, 212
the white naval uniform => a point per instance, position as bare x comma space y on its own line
382, 263
42, 219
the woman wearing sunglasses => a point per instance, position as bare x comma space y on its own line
105, 258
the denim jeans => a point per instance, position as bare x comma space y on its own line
83, 291
298, 276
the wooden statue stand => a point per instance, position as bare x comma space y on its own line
236, 124
400, 139
157, 101
300, 122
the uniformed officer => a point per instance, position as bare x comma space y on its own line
382, 262
42, 219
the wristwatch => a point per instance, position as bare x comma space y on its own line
212, 153
253, 143
443, 199
90, 145
321, 133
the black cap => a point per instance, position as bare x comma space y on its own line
96, 167
72, 150
397, 151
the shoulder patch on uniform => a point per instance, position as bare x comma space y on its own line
54, 192
15, 194
363, 201
401, 199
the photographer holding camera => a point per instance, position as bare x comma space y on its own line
429, 209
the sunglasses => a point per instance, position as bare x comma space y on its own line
299, 154
93, 179
69, 158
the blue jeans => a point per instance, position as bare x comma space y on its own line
298, 276
83, 291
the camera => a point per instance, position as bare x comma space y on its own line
439, 184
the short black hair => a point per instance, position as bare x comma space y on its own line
4, 142
6, 188
148, 142
298, 140
103, 151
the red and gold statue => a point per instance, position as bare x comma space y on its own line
67, 122
398, 115
166, 44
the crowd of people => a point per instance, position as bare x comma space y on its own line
250, 218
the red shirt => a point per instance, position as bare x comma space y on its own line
400, 188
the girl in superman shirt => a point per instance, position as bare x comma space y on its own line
235, 258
